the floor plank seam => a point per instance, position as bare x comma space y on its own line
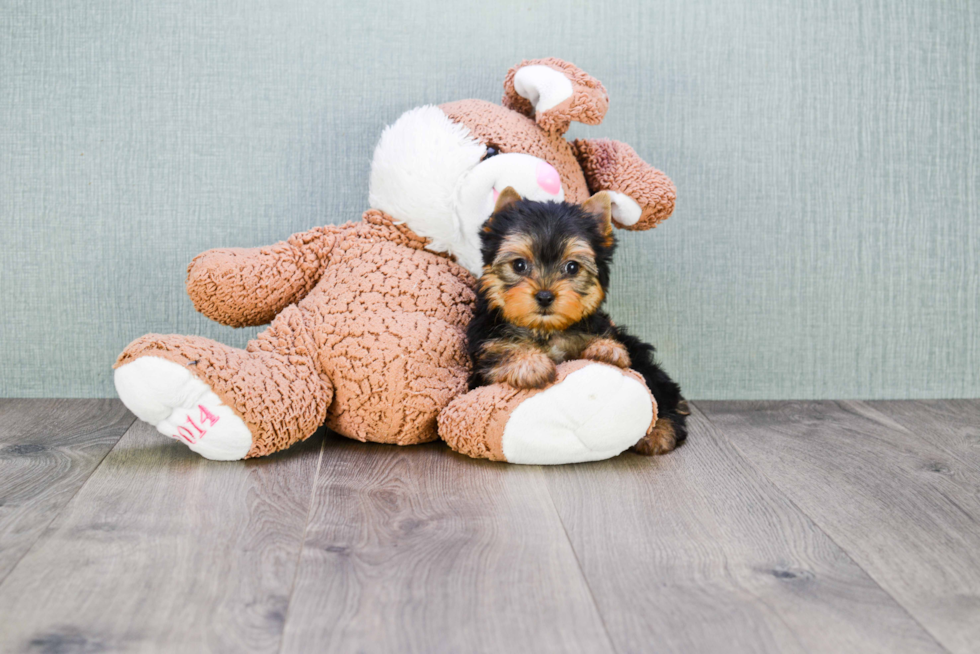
738, 451
578, 564
65, 506
302, 544
887, 421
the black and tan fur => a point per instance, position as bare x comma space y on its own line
545, 275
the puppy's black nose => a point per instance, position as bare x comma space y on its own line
544, 298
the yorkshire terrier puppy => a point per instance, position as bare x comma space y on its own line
545, 275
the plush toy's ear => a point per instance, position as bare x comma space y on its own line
555, 93
600, 205
642, 196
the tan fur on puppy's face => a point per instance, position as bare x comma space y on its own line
512, 291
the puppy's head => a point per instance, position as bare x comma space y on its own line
546, 264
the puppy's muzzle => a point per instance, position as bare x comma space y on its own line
544, 298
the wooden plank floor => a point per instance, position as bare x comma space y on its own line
779, 527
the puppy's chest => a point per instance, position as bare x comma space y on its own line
565, 346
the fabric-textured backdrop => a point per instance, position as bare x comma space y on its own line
826, 241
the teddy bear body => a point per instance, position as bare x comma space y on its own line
383, 288
367, 320
375, 349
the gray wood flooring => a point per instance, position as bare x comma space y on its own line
779, 527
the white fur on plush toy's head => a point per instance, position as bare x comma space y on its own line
430, 173
416, 166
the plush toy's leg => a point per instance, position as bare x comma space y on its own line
393, 373
592, 412
222, 402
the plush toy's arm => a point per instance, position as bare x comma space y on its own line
555, 93
244, 287
643, 197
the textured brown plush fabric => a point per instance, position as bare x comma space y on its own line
376, 348
585, 166
281, 398
247, 287
614, 166
588, 103
510, 131
473, 424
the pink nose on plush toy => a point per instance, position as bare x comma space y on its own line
548, 178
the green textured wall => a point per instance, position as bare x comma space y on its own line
826, 241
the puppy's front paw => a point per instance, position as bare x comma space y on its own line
525, 370
608, 351
660, 440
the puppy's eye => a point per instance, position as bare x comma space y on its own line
491, 152
520, 266
571, 268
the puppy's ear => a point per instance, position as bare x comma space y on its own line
506, 198
600, 206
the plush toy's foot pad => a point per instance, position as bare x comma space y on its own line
592, 412
595, 413
181, 406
